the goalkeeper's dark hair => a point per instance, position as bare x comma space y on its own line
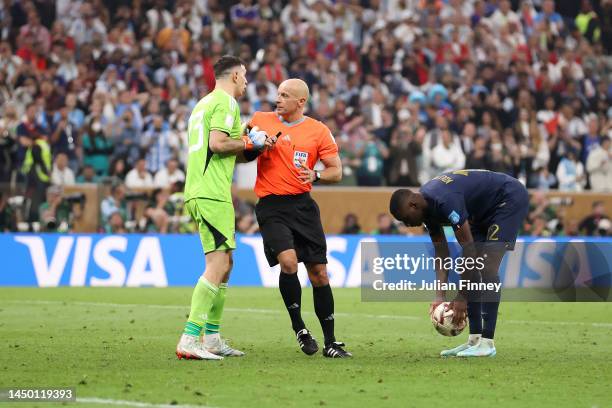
224, 65
397, 202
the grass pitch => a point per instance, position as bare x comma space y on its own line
118, 345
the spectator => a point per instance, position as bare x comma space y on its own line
403, 157
261, 89
118, 169
589, 225
570, 173
168, 175
447, 155
64, 138
113, 210
28, 131
158, 211
56, 214
571, 229
115, 224
245, 19
139, 177
549, 18
588, 22
542, 216
126, 137
8, 219
37, 171
599, 166
591, 140
97, 148
351, 225
62, 175
87, 26
34, 28
8, 143
158, 17
544, 180
385, 225
477, 159
371, 153
88, 175
158, 144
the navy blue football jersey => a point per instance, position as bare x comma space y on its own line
472, 195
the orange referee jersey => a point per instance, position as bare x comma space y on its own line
277, 169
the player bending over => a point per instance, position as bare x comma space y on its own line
215, 138
483, 207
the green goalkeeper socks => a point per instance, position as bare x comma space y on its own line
202, 300
213, 322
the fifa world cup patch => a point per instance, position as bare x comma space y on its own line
298, 157
454, 217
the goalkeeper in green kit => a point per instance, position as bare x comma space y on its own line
215, 141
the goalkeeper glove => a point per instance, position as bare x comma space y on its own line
257, 138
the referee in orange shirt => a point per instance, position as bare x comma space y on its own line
289, 219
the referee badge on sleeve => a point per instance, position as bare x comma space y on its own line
298, 157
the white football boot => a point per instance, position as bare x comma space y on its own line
190, 348
484, 348
214, 344
473, 340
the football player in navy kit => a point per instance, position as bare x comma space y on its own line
482, 207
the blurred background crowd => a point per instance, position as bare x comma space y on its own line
99, 91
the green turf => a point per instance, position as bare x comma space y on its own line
53, 337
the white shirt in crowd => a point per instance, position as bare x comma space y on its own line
164, 179
599, 166
62, 177
135, 180
449, 158
570, 175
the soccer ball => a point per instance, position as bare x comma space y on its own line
442, 321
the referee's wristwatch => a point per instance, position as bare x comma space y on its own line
317, 176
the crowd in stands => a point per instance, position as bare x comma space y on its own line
92, 90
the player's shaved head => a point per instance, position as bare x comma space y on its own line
296, 87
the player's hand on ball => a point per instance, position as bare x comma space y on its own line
258, 138
306, 175
459, 308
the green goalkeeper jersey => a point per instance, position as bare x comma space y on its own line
209, 175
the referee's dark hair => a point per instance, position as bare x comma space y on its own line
224, 65
397, 202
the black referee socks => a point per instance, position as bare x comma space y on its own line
324, 308
291, 291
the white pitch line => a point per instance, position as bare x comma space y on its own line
105, 401
274, 311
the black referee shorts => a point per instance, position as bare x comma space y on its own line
291, 222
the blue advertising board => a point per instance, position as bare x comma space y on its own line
50, 260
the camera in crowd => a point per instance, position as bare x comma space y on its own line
75, 198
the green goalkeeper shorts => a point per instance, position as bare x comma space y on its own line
215, 221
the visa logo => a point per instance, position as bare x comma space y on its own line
146, 269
